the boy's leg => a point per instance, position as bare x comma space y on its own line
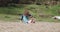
31, 21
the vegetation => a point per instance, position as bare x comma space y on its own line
40, 12
38, 2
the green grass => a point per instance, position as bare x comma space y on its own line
11, 13
11, 18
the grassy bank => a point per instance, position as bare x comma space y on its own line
35, 10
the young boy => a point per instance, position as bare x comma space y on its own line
27, 18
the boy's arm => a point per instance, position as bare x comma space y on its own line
30, 15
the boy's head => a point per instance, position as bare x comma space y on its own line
26, 12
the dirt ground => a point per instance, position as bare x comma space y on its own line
35, 27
